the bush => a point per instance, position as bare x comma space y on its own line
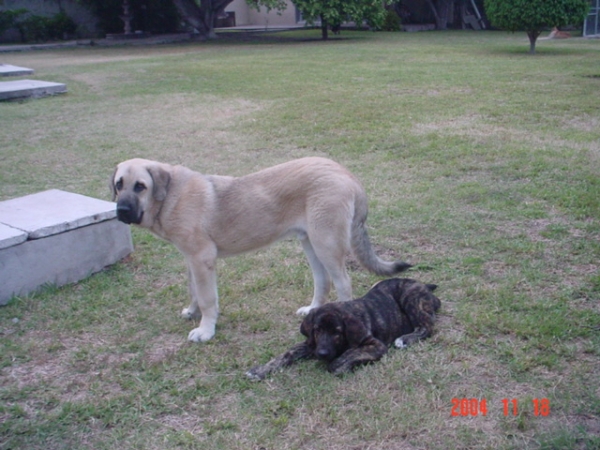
8, 19
41, 28
61, 26
391, 21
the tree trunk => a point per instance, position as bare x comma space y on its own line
324, 30
440, 13
532, 35
201, 17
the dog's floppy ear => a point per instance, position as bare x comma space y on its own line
306, 328
111, 185
431, 287
354, 330
160, 182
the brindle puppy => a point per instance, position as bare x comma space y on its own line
348, 334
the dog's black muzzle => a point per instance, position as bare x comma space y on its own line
128, 213
324, 354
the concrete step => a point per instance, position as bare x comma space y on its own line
7, 70
17, 89
56, 237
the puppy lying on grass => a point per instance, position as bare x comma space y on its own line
347, 334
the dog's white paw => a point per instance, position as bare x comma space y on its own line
304, 310
399, 343
201, 334
188, 314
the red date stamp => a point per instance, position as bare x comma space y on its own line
465, 407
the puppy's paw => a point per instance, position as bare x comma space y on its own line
339, 368
201, 334
304, 310
189, 314
399, 343
255, 374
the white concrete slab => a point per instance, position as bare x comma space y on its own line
62, 258
57, 237
54, 211
10, 236
7, 70
10, 90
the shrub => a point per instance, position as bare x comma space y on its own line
391, 21
61, 26
41, 28
8, 18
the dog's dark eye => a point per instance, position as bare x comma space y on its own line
139, 187
119, 185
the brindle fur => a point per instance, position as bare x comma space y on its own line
346, 335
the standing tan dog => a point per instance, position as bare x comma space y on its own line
210, 216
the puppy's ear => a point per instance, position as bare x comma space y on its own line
306, 328
355, 331
431, 287
160, 182
111, 185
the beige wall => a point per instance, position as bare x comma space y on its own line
247, 16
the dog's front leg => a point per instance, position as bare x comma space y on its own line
298, 351
193, 311
369, 351
204, 296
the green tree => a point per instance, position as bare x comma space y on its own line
332, 13
532, 16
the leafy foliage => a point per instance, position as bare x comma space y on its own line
525, 15
392, 21
9, 18
335, 12
43, 28
533, 16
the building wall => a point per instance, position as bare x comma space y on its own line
248, 16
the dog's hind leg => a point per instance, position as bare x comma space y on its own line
322, 281
421, 314
334, 262
420, 333
331, 252
370, 350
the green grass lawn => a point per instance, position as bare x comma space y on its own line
482, 166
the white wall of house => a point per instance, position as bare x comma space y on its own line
248, 16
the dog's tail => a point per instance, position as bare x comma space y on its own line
361, 245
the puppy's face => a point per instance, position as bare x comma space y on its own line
326, 333
136, 185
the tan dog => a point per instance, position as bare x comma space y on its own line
557, 34
210, 216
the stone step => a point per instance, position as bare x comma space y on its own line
56, 237
7, 70
17, 89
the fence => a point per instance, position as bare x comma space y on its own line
591, 26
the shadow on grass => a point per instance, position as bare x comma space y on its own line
284, 37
